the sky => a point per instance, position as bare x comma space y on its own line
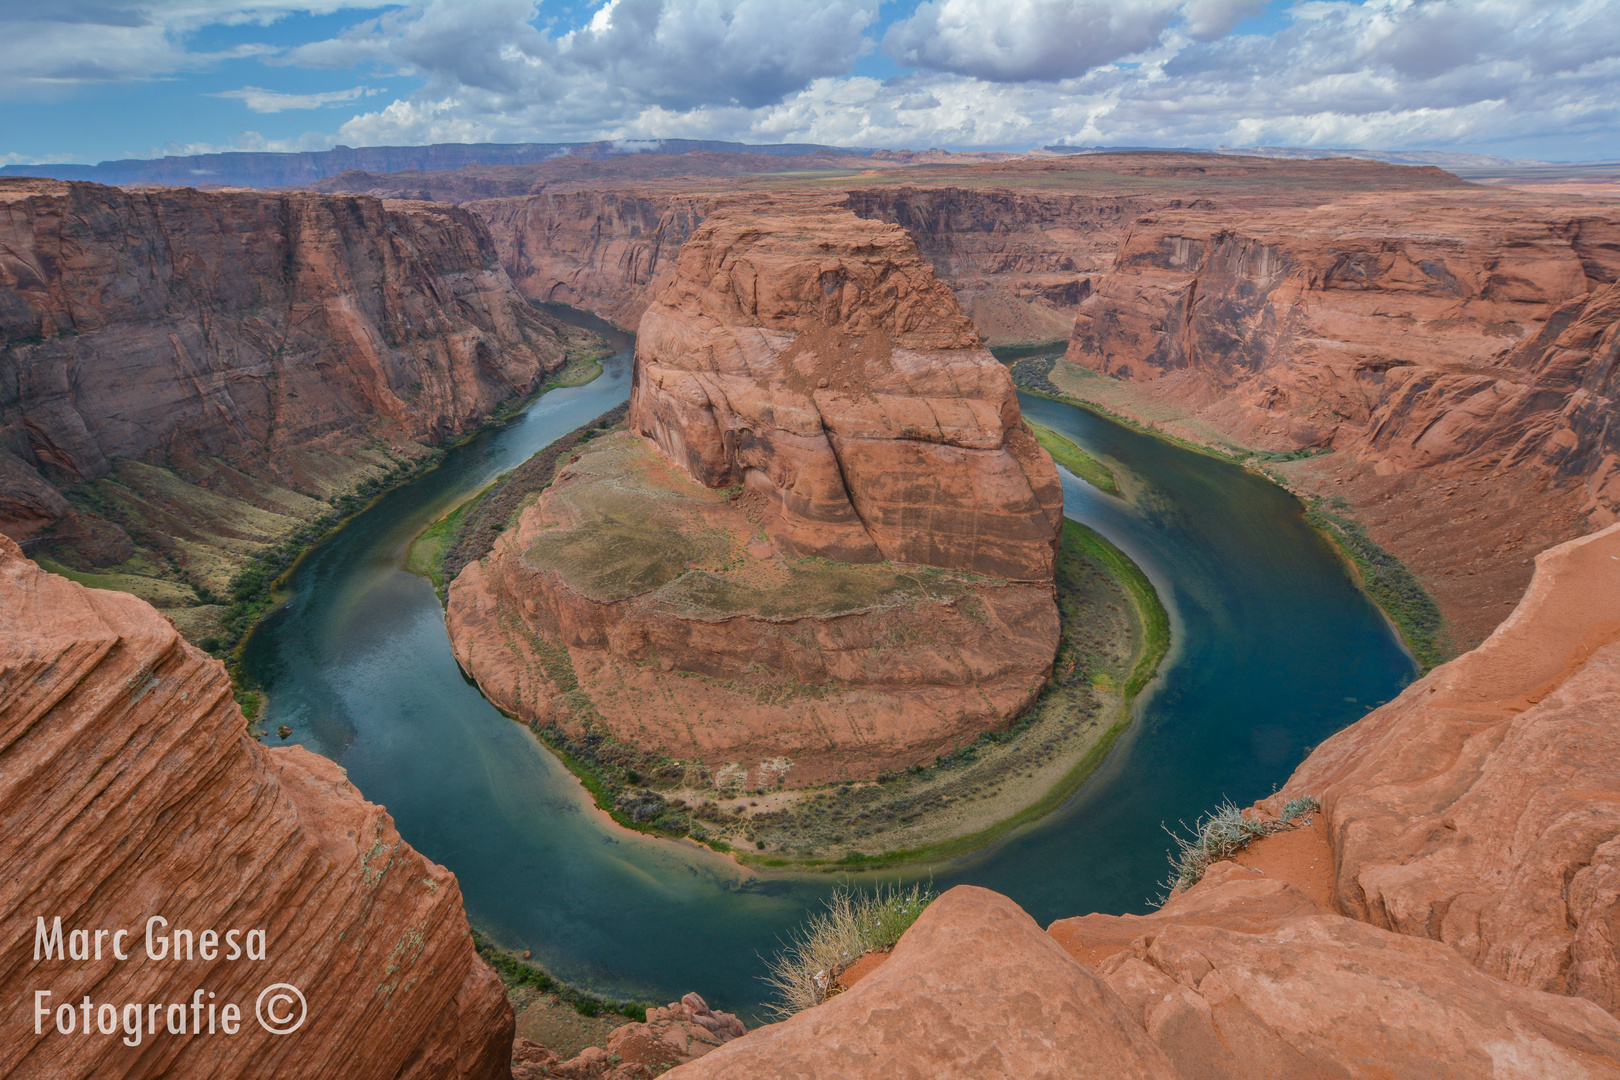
90, 80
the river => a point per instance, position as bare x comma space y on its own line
1274, 648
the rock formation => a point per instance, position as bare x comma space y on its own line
972, 989
609, 251
1479, 808
131, 790
813, 357
682, 1031
860, 579
1457, 337
262, 330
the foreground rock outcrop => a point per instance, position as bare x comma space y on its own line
132, 791
241, 331
1481, 808
832, 554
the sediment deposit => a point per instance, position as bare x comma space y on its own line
132, 790
831, 555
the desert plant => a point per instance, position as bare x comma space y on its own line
1224, 832
803, 973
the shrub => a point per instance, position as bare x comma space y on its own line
852, 925
1223, 833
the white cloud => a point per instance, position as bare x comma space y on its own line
261, 100
51, 45
1012, 74
1048, 40
1020, 40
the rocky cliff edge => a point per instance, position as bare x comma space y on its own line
131, 791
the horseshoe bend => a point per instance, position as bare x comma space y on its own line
803, 581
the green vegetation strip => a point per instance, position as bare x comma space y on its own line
1386, 579
515, 972
1076, 460
1155, 623
1149, 609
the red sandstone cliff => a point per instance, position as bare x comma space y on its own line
813, 357
130, 790
259, 328
1454, 349
611, 251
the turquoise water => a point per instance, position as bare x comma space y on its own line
1274, 649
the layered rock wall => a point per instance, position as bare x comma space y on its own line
814, 357
131, 790
256, 327
609, 251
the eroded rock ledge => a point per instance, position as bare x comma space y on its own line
813, 357
131, 789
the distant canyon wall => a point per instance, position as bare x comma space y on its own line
250, 326
1019, 262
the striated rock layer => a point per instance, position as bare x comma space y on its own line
1464, 337
130, 790
813, 357
258, 328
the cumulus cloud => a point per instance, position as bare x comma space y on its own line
1019, 40
1048, 40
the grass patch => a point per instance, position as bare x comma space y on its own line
515, 972
1149, 609
1393, 587
1076, 460
425, 558
1223, 833
853, 924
